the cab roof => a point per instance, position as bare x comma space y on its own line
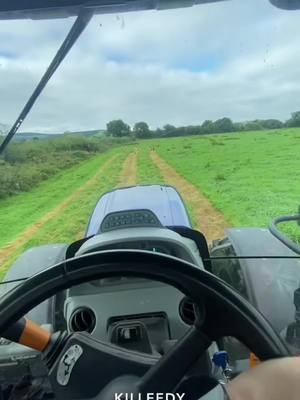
48, 9
41, 9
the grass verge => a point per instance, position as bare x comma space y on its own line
71, 223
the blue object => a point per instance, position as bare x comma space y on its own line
164, 201
221, 359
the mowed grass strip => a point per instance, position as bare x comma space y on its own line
128, 172
149, 173
251, 177
22, 210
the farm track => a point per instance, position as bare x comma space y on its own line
209, 220
128, 175
8, 251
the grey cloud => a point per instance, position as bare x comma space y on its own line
256, 76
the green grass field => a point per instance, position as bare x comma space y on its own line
19, 211
250, 177
26, 209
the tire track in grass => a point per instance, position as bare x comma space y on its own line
128, 175
9, 250
208, 220
149, 173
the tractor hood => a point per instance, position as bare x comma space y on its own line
163, 201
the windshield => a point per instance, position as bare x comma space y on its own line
198, 107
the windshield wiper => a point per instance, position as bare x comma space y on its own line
77, 28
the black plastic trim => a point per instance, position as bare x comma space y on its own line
200, 241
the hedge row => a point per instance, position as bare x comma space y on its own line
25, 164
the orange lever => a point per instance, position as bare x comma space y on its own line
34, 336
29, 334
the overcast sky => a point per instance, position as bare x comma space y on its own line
179, 66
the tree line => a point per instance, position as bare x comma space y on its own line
141, 130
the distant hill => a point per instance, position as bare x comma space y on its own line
40, 135
96, 132
34, 135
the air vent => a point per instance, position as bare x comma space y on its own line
129, 219
187, 311
83, 320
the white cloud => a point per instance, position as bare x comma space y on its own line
177, 66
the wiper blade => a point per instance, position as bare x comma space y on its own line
77, 28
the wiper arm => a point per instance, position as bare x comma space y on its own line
77, 28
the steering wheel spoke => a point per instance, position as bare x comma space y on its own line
169, 370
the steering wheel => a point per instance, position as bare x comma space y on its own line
223, 313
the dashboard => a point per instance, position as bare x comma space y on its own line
132, 312
146, 245
135, 313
